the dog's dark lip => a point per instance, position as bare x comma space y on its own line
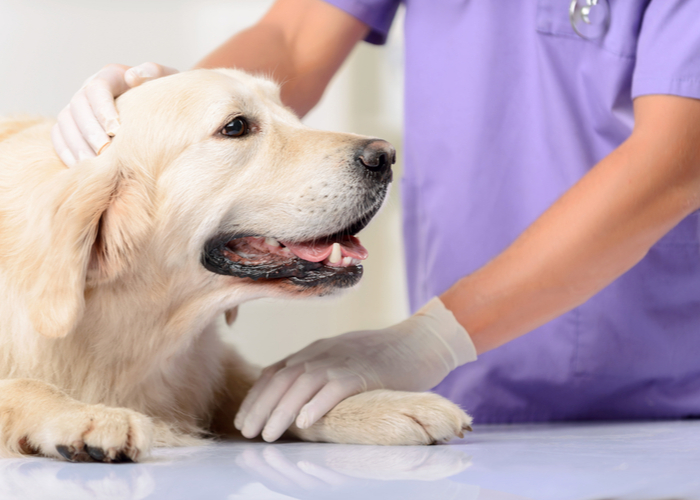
299, 272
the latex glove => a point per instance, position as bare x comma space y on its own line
86, 125
414, 355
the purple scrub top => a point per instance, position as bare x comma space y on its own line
506, 108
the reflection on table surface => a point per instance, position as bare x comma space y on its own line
652, 460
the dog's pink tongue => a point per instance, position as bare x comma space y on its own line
316, 251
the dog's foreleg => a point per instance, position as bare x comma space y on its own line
39, 418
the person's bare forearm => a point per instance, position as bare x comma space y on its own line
298, 43
599, 229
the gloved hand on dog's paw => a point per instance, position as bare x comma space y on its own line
86, 125
414, 355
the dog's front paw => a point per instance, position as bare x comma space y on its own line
390, 418
95, 433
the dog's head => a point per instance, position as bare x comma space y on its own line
211, 177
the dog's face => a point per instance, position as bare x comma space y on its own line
211, 192
242, 189
211, 188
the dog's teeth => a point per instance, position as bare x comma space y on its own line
347, 261
336, 255
272, 242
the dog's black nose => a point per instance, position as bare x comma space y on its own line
378, 156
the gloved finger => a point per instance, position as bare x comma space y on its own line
325, 400
305, 387
260, 411
61, 148
101, 90
112, 73
74, 140
254, 392
147, 71
88, 125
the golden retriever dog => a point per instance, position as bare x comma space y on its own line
114, 272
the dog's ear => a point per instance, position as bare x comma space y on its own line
122, 226
87, 220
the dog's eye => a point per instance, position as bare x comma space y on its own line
238, 127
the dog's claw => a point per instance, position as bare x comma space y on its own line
64, 452
72, 454
96, 453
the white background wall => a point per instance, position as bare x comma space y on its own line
49, 47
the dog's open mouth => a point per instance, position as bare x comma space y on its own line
332, 260
344, 252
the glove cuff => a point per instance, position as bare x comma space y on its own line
445, 326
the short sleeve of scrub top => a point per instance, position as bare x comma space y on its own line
377, 14
668, 50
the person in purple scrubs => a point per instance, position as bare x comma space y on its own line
551, 187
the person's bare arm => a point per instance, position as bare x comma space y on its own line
299, 43
599, 229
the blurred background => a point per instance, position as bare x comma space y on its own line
48, 48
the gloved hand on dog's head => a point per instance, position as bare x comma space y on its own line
414, 355
86, 125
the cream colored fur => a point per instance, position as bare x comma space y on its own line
107, 316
